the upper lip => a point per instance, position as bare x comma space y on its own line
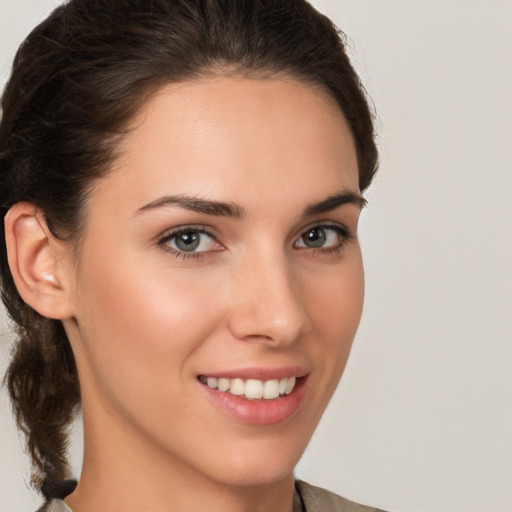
259, 373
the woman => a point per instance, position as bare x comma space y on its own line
181, 185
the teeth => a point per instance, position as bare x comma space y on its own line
237, 387
223, 384
282, 386
253, 389
290, 385
271, 389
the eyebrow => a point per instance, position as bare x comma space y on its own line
233, 210
197, 204
333, 202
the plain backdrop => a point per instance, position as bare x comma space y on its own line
422, 420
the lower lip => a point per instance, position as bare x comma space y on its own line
259, 412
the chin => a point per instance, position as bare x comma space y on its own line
256, 475
257, 463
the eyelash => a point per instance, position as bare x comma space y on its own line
341, 231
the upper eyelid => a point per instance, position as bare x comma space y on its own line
327, 224
169, 233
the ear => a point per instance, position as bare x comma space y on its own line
37, 261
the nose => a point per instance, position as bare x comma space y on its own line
268, 305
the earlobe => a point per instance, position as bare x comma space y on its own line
35, 261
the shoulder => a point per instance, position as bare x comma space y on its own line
319, 500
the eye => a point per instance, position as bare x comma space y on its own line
330, 237
190, 240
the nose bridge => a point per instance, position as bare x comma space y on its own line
269, 305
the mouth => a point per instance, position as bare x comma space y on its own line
252, 389
273, 398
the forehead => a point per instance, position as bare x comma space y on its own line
226, 136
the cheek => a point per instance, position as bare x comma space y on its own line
140, 322
335, 310
336, 305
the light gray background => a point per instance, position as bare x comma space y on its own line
422, 421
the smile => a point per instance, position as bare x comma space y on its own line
257, 396
252, 389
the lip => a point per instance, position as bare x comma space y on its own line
259, 412
260, 373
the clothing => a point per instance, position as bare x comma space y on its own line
55, 505
308, 498
316, 499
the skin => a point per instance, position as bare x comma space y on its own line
144, 321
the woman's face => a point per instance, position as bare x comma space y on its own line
220, 251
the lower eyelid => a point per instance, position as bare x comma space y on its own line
182, 255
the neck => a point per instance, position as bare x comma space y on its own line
116, 476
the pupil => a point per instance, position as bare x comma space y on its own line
314, 237
188, 241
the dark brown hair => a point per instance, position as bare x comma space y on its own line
77, 81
